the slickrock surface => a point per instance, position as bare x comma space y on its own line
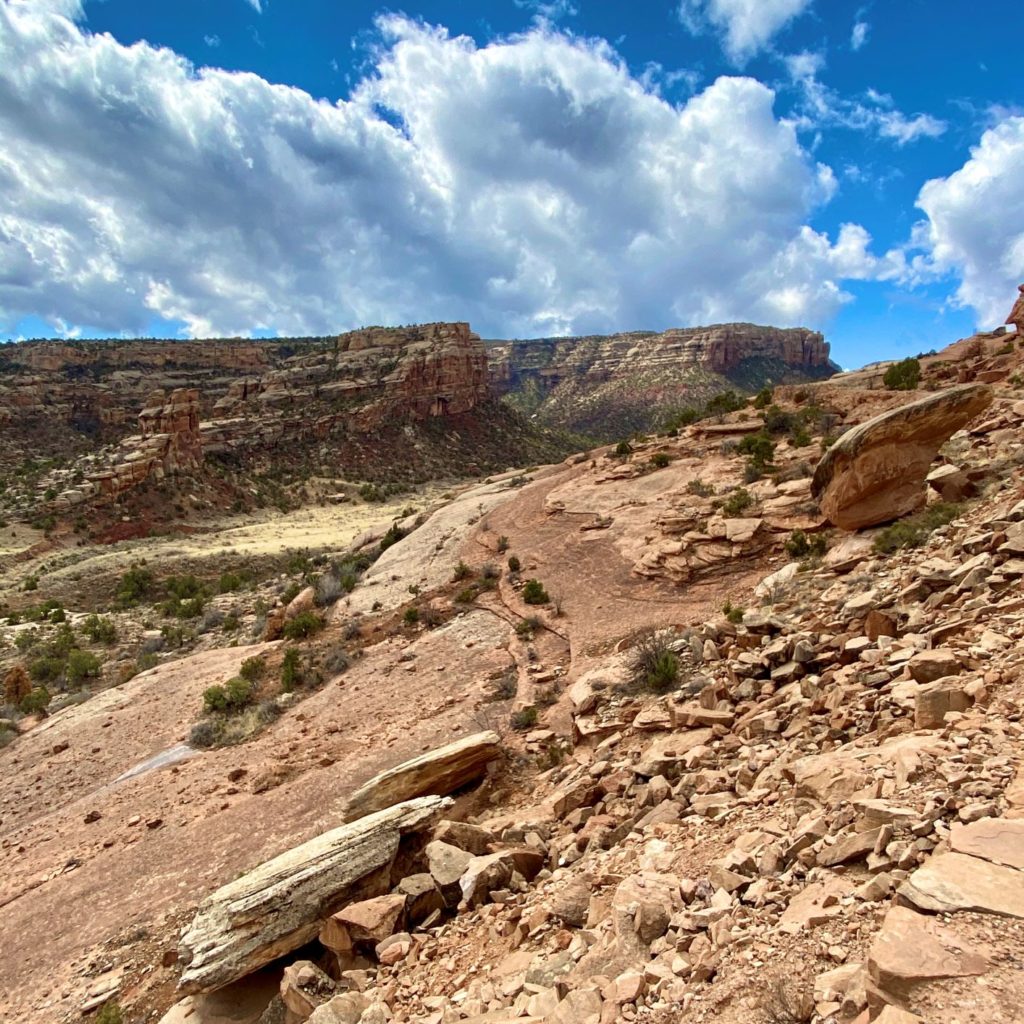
876, 472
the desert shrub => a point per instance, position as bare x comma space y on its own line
655, 665
229, 583
252, 668
82, 665
525, 718
213, 618
623, 449
659, 460
914, 530
411, 616
799, 437
31, 583
763, 398
62, 642
17, 685
489, 571
110, 1013
184, 608
737, 502
215, 698
503, 544
682, 418
725, 401
336, 660
145, 661
392, 537
329, 588
36, 701
291, 670
799, 545
733, 612
778, 421
526, 628
467, 595
204, 734
26, 640
759, 449
238, 693
136, 585
785, 1000
57, 615
534, 592
903, 376
290, 592
699, 488
303, 625
461, 572
230, 623
46, 668
514, 565
100, 630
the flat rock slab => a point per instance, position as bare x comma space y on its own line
949, 882
911, 948
876, 472
437, 773
998, 840
278, 906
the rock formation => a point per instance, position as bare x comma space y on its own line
278, 906
609, 385
876, 472
438, 772
1016, 316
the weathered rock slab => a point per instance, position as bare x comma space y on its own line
438, 772
911, 948
998, 840
876, 472
949, 882
278, 906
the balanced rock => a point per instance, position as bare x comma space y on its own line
876, 471
438, 772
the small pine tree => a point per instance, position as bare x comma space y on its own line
17, 685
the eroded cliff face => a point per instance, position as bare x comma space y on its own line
360, 382
608, 385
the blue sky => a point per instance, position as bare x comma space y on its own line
534, 168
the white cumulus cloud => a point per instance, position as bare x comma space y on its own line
975, 224
746, 26
256, 5
859, 35
531, 186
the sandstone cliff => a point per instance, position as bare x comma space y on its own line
606, 386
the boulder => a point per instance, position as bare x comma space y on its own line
494, 871
373, 920
346, 1008
304, 987
999, 840
278, 906
438, 772
876, 472
927, 666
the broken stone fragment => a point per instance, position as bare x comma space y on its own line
438, 772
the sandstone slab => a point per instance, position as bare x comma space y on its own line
911, 948
438, 772
278, 906
949, 882
998, 840
876, 472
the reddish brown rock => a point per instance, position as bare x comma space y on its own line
876, 472
911, 948
1016, 316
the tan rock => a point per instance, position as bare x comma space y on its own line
911, 948
438, 772
998, 840
372, 920
303, 988
949, 882
927, 666
932, 703
345, 1008
876, 472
